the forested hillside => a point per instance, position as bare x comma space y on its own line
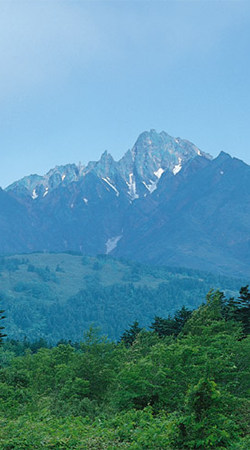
188, 390
58, 296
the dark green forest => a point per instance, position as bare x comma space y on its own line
183, 384
58, 296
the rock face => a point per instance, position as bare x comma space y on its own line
164, 202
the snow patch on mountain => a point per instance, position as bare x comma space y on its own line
132, 187
159, 172
150, 187
177, 167
107, 180
112, 243
46, 191
34, 194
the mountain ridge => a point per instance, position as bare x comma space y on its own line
150, 151
165, 201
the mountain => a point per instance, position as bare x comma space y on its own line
164, 202
201, 220
137, 172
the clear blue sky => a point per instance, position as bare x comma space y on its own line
80, 77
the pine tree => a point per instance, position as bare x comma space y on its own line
2, 335
242, 312
130, 335
238, 309
163, 327
171, 325
180, 318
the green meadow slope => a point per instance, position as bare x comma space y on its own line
58, 296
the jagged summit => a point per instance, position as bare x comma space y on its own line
37, 186
154, 152
139, 170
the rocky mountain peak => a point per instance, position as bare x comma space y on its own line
155, 153
140, 168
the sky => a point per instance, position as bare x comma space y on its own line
81, 77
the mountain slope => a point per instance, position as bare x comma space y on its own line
58, 296
202, 222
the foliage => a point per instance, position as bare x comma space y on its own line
129, 336
171, 325
204, 423
240, 309
188, 390
58, 296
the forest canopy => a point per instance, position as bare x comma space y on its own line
167, 388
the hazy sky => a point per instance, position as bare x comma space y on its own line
80, 77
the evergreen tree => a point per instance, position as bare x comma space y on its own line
242, 313
163, 327
2, 335
180, 318
238, 309
130, 335
171, 326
